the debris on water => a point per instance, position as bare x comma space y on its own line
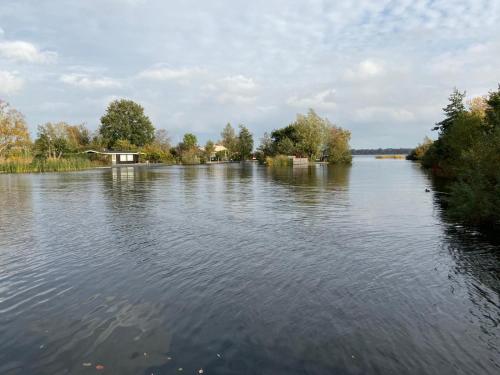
180, 369
219, 355
145, 354
169, 358
427, 190
200, 371
353, 356
99, 367
86, 364
42, 346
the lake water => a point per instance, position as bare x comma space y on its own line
242, 270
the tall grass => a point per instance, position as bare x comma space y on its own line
390, 157
279, 161
32, 165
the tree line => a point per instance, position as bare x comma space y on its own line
467, 153
124, 127
309, 136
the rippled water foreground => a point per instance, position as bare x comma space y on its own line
242, 270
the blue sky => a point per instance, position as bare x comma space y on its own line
382, 69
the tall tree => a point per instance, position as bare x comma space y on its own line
209, 150
245, 143
493, 109
125, 119
78, 137
266, 147
13, 129
452, 111
338, 148
311, 132
52, 140
162, 139
229, 140
189, 141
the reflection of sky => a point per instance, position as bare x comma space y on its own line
255, 263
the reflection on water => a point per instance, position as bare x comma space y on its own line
242, 269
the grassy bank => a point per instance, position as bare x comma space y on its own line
31, 165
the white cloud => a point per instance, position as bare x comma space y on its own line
386, 59
365, 70
2, 32
380, 114
168, 74
324, 100
10, 83
239, 84
85, 81
26, 52
236, 89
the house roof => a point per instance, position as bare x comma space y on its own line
115, 152
218, 148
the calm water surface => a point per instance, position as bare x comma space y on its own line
242, 270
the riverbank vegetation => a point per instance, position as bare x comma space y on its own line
467, 153
309, 136
60, 146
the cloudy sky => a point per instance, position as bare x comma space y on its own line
382, 69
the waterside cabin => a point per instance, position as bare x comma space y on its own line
119, 157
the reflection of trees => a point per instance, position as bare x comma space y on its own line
314, 185
129, 194
319, 176
16, 206
476, 259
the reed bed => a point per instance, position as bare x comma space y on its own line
390, 157
32, 165
278, 161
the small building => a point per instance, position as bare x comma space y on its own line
119, 157
219, 150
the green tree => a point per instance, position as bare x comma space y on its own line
467, 152
285, 139
52, 141
286, 147
338, 148
189, 141
245, 143
229, 140
311, 132
266, 146
158, 150
454, 109
418, 152
493, 110
124, 145
78, 137
209, 150
125, 119
13, 129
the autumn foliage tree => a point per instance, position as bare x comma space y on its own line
13, 130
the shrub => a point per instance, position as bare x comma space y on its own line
279, 161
